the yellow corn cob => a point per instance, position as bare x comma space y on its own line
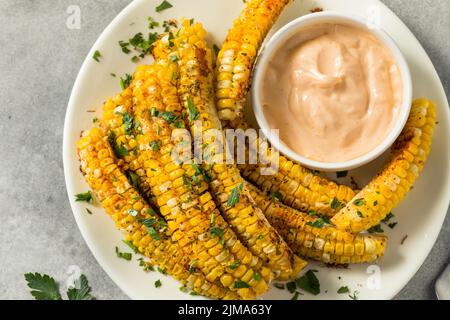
184, 205
299, 186
123, 203
237, 56
326, 244
390, 186
195, 89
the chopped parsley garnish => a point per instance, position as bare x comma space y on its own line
134, 179
183, 289
309, 282
279, 285
170, 117
192, 265
216, 49
291, 286
343, 289
375, 203
200, 170
141, 45
171, 37
163, 271
234, 197
392, 225
275, 196
168, 24
217, 232
239, 284
234, 265
179, 124
359, 213
127, 121
193, 112
173, 58
359, 202
44, 287
88, 211
87, 197
257, 276
124, 255
318, 223
389, 216
336, 204
212, 219
163, 6
154, 112
296, 295
354, 296
149, 225
97, 55
376, 229
158, 283
152, 24
154, 145
113, 75
145, 265
131, 245
124, 45
125, 82
95, 120
341, 174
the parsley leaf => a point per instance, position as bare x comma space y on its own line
134, 179
309, 283
127, 121
238, 284
158, 283
193, 112
152, 23
81, 291
359, 202
124, 255
125, 82
170, 117
97, 55
234, 197
200, 170
234, 265
318, 223
276, 196
87, 197
217, 232
291, 286
336, 204
376, 229
343, 289
44, 287
131, 245
257, 276
163, 6
154, 145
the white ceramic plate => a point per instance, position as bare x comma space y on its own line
419, 216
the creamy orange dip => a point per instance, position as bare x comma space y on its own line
334, 92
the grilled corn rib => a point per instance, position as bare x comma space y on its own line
300, 188
235, 59
324, 243
129, 211
186, 204
390, 186
196, 92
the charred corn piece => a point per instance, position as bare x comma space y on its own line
299, 187
247, 220
238, 54
390, 186
183, 198
323, 243
124, 204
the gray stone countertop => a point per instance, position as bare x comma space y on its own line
39, 61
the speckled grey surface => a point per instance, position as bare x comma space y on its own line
39, 60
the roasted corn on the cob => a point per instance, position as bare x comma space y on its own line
389, 187
196, 92
311, 237
180, 193
238, 54
132, 215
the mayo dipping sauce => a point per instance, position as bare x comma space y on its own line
334, 91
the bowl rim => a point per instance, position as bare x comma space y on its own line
288, 31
